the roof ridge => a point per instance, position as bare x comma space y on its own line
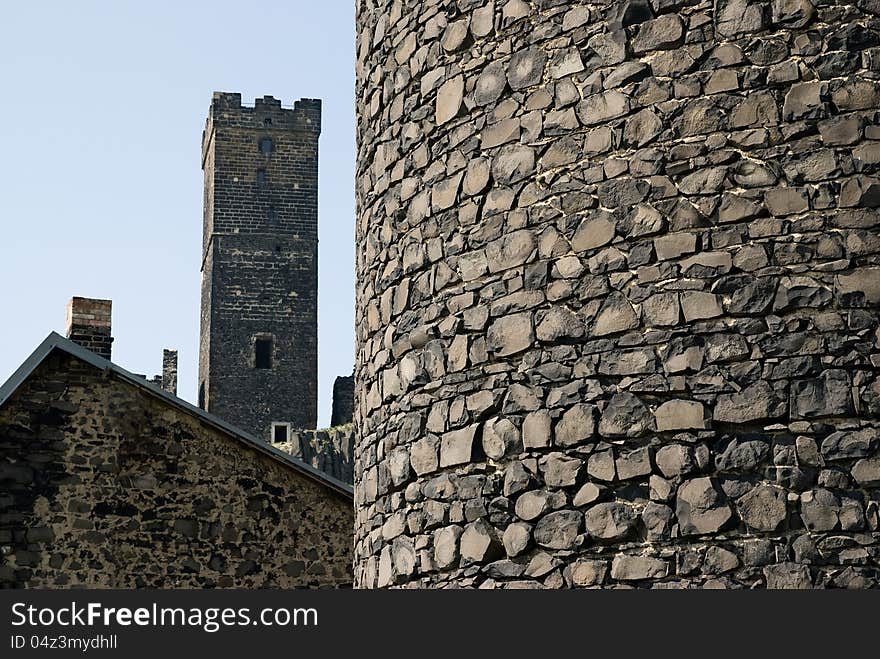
56, 341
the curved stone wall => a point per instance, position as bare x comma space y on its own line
618, 288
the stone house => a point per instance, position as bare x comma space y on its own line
107, 480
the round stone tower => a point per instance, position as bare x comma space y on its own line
618, 288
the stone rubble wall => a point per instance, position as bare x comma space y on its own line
103, 485
331, 450
618, 287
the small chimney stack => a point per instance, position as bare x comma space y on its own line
169, 371
89, 324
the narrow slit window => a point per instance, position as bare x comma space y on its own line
266, 145
261, 178
263, 353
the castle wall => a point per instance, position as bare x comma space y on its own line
331, 450
618, 287
104, 485
260, 268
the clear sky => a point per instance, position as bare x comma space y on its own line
102, 106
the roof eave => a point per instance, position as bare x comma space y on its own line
56, 341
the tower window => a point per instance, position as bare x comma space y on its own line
266, 145
263, 353
267, 121
271, 215
280, 432
261, 178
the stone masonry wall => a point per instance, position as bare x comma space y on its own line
104, 485
260, 262
331, 450
618, 289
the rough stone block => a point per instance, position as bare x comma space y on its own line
680, 415
610, 521
449, 100
559, 530
576, 426
636, 568
698, 305
511, 334
664, 32
456, 447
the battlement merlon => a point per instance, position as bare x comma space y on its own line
266, 114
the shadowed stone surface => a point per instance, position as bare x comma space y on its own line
107, 486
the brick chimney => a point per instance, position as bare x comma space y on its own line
169, 371
88, 324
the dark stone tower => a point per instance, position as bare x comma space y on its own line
258, 356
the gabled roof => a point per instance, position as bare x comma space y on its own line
57, 342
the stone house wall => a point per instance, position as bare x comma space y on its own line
105, 484
618, 288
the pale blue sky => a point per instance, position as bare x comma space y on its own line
102, 106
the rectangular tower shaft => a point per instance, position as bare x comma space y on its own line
258, 353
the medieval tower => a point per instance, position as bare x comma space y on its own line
618, 289
258, 344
